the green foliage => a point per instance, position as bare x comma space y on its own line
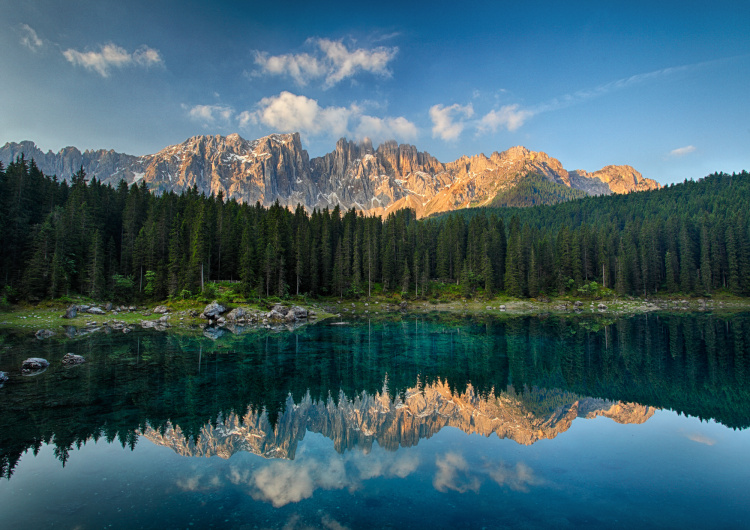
123, 287
535, 190
94, 240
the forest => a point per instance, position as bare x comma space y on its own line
61, 239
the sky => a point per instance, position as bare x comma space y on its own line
662, 86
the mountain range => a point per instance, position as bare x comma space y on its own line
354, 175
421, 413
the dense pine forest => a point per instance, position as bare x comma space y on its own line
62, 239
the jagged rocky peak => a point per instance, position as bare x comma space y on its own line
354, 175
419, 412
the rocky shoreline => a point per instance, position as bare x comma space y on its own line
216, 319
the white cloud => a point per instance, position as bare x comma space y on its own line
508, 116
332, 60
682, 151
112, 56
289, 112
443, 120
701, 438
346, 63
518, 479
301, 68
210, 114
30, 39
453, 473
378, 129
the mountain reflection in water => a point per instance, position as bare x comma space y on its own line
524, 378
392, 423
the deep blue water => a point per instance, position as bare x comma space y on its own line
522, 422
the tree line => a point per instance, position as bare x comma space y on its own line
60, 239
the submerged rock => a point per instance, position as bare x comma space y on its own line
34, 366
44, 334
71, 359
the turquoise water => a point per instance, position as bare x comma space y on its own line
523, 422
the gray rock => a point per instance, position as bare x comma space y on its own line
275, 315
578, 303
236, 314
3, 377
298, 312
71, 359
71, 312
96, 311
108, 306
601, 307
161, 309
83, 308
34, 366
501, 308
44, 334
213, 310
126, 330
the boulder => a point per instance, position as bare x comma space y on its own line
34, 365
275, 315
213, 309
280, 308
236, 314
108, 306
161, 309
71, 359
83, 308
71, 312
298, 312
96, 311
44, 334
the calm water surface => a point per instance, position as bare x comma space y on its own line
521, 422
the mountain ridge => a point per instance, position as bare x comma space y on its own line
354, 175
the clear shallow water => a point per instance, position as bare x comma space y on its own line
521, 423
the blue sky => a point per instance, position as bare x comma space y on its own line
662, 86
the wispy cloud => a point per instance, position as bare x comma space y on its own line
30, 39
448, 122
210, 114
331, 60
289, 112
682, 151
110, 56
700, 438
510, 117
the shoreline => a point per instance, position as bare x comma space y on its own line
186, 317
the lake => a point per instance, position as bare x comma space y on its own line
459, 422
